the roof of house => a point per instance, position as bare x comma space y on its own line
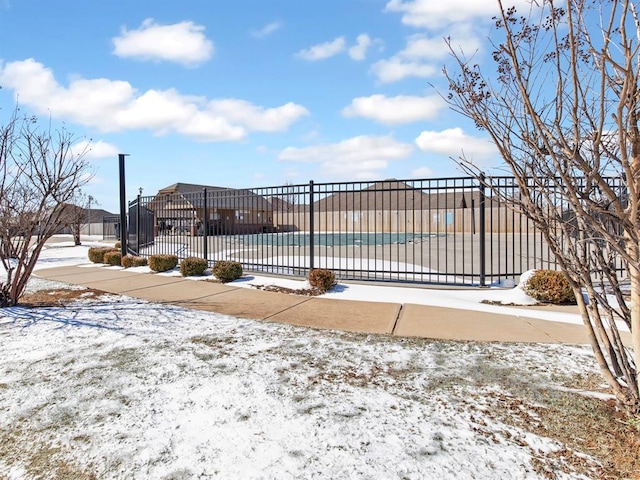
385, 195
94, 214
217, 197
98, 214
280, 203
395, 195
188, 188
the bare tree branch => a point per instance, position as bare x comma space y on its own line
563, 108
41, 175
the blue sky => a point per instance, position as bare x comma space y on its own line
246, 93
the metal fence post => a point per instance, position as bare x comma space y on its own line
311, 227
124, 231
205, 226
138, 225
483, 232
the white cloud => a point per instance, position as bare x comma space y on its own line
422, 172
310, 136
183, 43
356, 52
423, 54
435, 14
395, 110
322, 50
267, 30
109, 105
359, 50
95, 150
453, 142
395, 69
86, 177
422, 46
358, 157
204, 127
257, 118
95, 180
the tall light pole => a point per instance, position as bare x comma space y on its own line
123, 206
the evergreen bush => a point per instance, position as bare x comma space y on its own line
193, 266
96, 254
550, 286
163, 263
113, 258
227, 271
133, 261
322, 279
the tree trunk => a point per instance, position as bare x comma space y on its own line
634, 275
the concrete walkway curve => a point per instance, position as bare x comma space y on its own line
405, 320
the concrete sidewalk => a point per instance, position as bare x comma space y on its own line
408, 320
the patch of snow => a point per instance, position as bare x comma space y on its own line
136, 389
127, 388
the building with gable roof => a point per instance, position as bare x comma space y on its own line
181, 208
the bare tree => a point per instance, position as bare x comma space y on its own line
562, 109
40, 175
76, 214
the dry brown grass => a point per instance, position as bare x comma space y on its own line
305, 292
583, 424
42, 460
57, 297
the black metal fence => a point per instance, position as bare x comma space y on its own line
111, 227
441, 231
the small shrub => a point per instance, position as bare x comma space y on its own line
127, 261
133, 261
118, 245
193, 266
322, 279
550, 286
162, 263
227, 271
113, 257
139, 261
96, 254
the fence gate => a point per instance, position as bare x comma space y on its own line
140, 231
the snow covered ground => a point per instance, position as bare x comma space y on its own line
120, 388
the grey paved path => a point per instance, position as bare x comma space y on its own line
371, 317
